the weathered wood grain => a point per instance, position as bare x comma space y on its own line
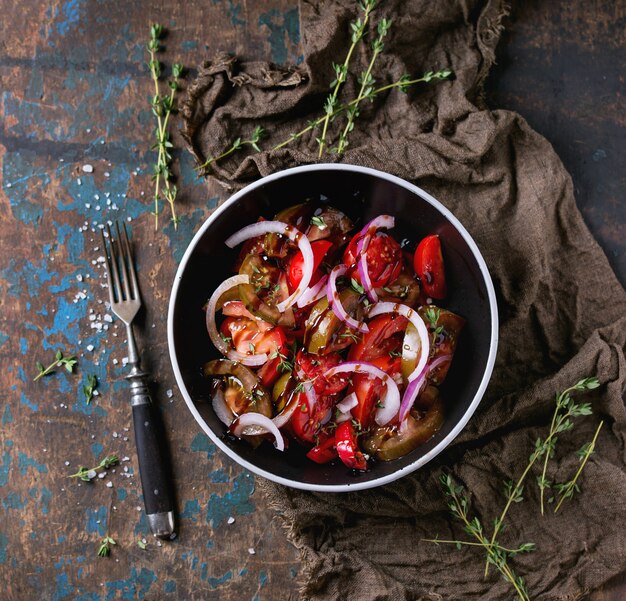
74, 91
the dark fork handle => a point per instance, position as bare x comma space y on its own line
155, 481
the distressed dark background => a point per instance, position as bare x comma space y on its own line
74, 91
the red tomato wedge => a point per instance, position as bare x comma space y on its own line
384, 259
324, 452
347, 446
319, 248
253, 335
428, 265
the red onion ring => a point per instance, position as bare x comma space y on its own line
335, 303
313, 293
282, 418
211, 325
380, 222
390, 402
348, 403
308, 387
265, 423
278, 227
222, 410
413, 316
415, 387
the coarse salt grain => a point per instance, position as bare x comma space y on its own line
231, 520
88, 168
251, 551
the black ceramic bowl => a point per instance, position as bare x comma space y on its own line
362, 194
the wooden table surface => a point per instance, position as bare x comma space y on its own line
74, 93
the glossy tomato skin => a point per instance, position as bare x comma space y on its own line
264, 337
296, 265
428, 265
384, 259
347, 447
305, 424
373, 344
314, 366
324, 451
271, 371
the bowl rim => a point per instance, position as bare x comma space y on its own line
424, 459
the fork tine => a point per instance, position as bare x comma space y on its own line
116, 276
123, 260
131, 263
108, 267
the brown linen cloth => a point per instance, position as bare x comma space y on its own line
562, 310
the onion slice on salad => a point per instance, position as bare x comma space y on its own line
413, 316
211, 325
415, 387
253, 423
278, 227
335, 303
390, 402
222, 410
313, 293
308, 388
384, 222
282, 418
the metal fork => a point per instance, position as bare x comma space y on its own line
125, 303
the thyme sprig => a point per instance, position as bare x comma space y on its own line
88, 474
90, 387
162, 108
404, 83
104, 550
458, 502
59, 361
564, 403
565, 410
238, 144
341, 71
568, 489
367, 82
497, 555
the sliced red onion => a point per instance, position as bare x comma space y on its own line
308, 387
282, 418
384, 222
415, 387
348, 403
313, 293
390, 402
211, 325
413, 316
343, 417
251, 423
222, 410
278, 227
335, 303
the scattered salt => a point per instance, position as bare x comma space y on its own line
88, 168
251, 551
109, 484
231, 520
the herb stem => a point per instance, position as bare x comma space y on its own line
358, 28
572, 483
468, 544
237, 144
401, 83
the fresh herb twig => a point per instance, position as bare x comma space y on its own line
404, 83
162, 108
104, 550
563, 401
142, 545
367, 82
566, 409
59, 361
88, 474
90, 387
459, 506
238, 144
341, 71
567, 490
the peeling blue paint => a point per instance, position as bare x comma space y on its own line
44, 500
96, 520
23, 346
215, 582
135, 587
169, 586
236, 501
96, 449
28, 403
281, 26
4, 543
14, 501
6, 465
3, 338
202, 444
219, 476
7, 416
191, 510
234, 10
63, 587
24, 462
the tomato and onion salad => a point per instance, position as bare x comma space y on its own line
331, 338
